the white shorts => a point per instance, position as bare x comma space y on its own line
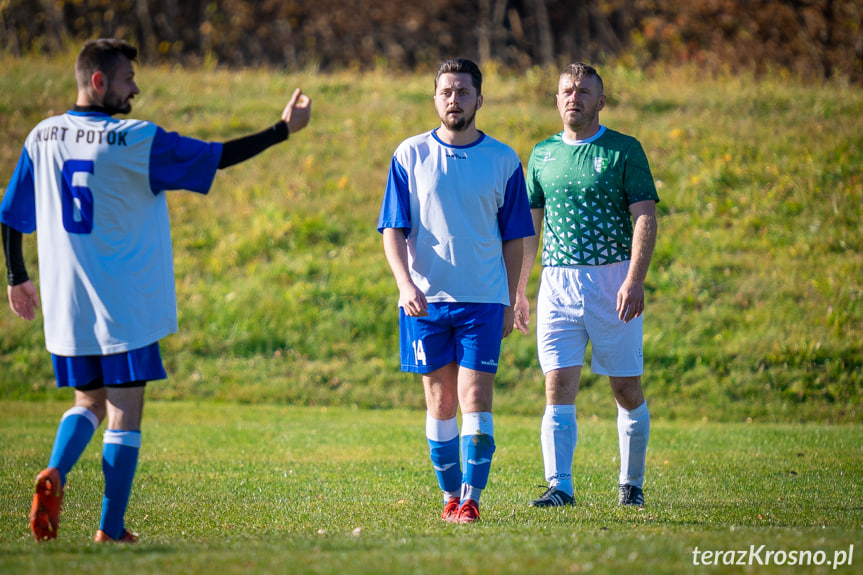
577, 305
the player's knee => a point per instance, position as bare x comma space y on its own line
561, 386
97, 408
628, 392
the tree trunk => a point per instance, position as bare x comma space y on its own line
9, 32
498, 30
543, 29
55, 25
483, 31
148, 36
610, 43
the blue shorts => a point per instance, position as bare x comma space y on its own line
467, 333
137, 365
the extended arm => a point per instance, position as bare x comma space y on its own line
22, 294
241, 149
630, 296
295, 117
531, 247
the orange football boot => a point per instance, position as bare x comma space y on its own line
450, 510
468, 512
45, 511
127, 537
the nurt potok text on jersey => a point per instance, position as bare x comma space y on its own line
58, 133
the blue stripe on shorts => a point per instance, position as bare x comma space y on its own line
142, 364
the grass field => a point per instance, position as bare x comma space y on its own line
286, 439
226, 488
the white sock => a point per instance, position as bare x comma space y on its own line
441, 429
558, 437
470, 492
438, 433
477, 422
476, 456
633, 431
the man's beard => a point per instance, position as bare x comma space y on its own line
113, 104
459, 123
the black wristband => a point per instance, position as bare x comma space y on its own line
16, 271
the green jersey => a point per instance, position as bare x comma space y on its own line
586, 188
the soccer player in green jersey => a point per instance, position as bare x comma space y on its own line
592, 192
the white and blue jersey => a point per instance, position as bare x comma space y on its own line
456, 205
92, 185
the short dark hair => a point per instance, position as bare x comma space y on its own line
580, 70
461, 66
101, 55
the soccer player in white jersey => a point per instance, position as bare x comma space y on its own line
453, 219
592, 193
95, 187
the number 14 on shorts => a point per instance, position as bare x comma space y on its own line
419, 351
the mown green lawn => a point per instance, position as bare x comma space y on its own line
225, 488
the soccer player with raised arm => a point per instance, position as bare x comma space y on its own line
453, 219
94, 186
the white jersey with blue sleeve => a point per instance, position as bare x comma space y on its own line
456, 205
93, 185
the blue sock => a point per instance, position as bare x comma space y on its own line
477, 445
119, 460
73, 434
442, 436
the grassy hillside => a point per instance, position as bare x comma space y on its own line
755, 303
